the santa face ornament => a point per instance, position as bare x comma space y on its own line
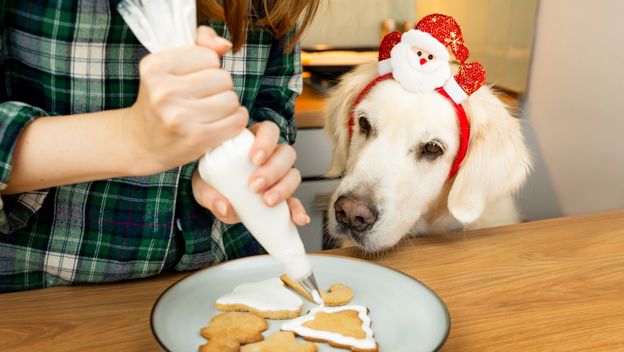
417, 69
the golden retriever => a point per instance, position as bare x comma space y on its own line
394, 169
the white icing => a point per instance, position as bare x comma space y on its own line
317, 297
267, 295
227, 168
367, 343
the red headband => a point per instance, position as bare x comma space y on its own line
462, 120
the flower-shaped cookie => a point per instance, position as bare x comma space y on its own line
240, 327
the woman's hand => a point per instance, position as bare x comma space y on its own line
275, 178
185, 105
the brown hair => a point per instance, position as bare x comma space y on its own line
275, 16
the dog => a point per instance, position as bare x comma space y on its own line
395, 166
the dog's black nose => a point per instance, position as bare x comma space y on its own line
355, 213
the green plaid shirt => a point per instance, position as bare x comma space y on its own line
68, 57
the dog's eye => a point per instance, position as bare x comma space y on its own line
419, 53
432, 150
430, 57
365, 126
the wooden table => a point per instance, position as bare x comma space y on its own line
554, 285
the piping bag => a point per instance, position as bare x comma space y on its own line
163, 24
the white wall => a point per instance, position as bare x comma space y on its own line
573, 109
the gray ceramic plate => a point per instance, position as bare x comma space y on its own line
406, 314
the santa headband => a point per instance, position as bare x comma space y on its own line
427, 45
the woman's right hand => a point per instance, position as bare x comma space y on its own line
185, 105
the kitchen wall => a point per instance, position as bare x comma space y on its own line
498, 33
354, 23
573, 114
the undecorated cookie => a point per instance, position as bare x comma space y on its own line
220, 345
282, 341
240, 327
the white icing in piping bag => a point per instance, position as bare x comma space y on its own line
164, 24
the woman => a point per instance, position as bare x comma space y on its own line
107, 189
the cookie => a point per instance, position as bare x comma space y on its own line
220, 345
268, 299
345, 327
240, 327
337, 295
281, 341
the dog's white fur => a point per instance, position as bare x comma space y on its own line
413, 194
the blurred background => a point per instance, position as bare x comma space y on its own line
555, 61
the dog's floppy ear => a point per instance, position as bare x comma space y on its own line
337, 113
497, 161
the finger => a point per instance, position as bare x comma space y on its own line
182, 60
267, 135
276, 167
212, 200
297, 212
283, 189
214, 107
205, 83
216, 132
208, 38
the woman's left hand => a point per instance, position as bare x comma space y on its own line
275, 178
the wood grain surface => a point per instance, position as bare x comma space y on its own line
554, 285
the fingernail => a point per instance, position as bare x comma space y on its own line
307, 219
258, 158
271, 199
257, 184
221, 207
224, 41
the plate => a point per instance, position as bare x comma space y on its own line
406, 314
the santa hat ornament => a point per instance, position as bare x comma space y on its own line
419, 60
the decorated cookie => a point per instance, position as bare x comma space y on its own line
337, 295
343, 327
240, 327
282, 341
220, 345
268, 298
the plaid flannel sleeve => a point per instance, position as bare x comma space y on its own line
15, 210
280, 85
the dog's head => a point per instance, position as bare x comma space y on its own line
395, 166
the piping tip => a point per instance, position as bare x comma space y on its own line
309, 284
